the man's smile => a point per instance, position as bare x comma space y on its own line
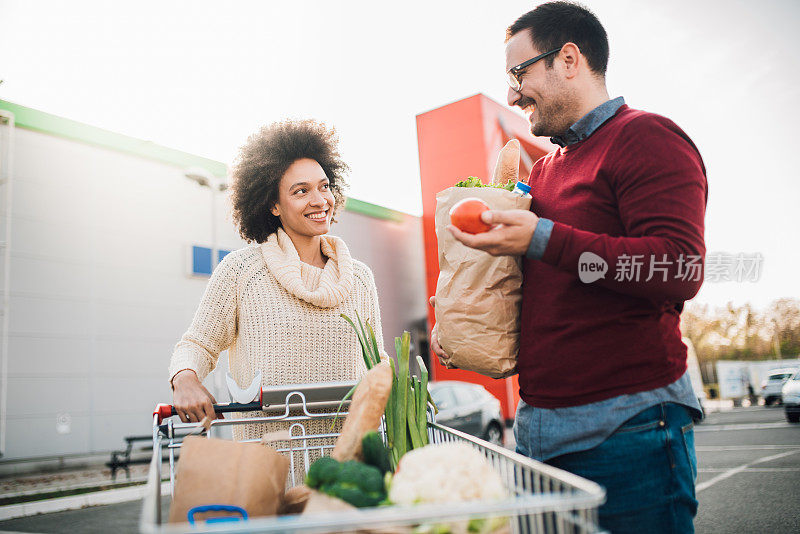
530, 109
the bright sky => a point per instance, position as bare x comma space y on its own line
201, 76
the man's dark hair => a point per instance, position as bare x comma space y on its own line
556, 23
262, 162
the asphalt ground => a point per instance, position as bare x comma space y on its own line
748, 481
748, 472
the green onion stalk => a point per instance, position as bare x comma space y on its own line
405, 416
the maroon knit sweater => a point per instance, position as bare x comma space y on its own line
633, 192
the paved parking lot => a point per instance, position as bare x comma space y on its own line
749, 472
748, 481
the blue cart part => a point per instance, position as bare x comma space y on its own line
218, 508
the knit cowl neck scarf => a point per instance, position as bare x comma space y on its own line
336, 279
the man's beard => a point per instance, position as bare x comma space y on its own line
551, 118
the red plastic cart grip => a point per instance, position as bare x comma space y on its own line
163, 411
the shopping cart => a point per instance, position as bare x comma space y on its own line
542, 499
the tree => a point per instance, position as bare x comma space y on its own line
743, 333
784, 318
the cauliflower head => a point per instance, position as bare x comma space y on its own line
445, 473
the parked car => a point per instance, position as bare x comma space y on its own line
790, 396
771, 386
469, 408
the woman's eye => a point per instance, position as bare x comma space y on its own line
301, 190
326, 186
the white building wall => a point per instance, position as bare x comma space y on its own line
100, 290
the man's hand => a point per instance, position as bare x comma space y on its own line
510, 237
191, 400
437, 349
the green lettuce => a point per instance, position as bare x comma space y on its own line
474, 181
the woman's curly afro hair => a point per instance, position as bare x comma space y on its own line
262, 162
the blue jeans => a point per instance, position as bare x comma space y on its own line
648, 467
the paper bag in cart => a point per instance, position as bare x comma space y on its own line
215, 471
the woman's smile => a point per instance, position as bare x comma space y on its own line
318, 216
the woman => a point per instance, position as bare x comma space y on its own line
276, 305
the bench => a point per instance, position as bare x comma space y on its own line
132, 455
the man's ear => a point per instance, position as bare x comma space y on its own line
571, 56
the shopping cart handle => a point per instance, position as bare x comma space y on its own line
164, 411
218, 508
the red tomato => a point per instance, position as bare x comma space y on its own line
466, 216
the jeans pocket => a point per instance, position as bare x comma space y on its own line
639, 427
687, 431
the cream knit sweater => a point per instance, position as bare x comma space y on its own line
279, 315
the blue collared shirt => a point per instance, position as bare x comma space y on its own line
544, 433
579, 131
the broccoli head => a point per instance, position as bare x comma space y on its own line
358, 484
367, 477
375, 452
323, 472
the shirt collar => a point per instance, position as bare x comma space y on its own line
590, 122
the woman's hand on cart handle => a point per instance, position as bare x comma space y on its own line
444, 359
190, 399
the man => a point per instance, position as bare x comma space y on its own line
613, 246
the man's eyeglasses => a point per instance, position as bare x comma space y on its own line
515, 73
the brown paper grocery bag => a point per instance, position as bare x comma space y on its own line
478, 296
215, 471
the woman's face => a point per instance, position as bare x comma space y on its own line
305, 201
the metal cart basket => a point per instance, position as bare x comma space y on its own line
542, 499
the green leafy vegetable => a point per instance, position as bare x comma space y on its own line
375, 452
359, 484
323, 471
474, 181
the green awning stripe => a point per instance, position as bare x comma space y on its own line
32, 119
373, 210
